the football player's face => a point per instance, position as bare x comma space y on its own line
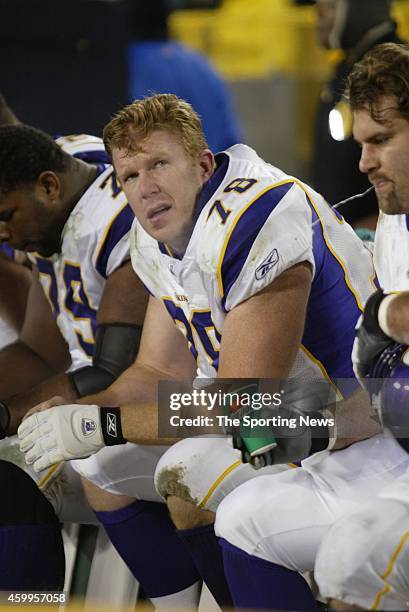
161, 182
385, 155
27, 223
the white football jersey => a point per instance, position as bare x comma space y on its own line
391, 252
95, 242
84, 146
254, 222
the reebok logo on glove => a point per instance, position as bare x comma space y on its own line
111, 425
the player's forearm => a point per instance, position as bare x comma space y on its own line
140, 424
19, 404
136, 392
138, 384
21, 369
355, 420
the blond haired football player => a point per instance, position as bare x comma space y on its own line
251, 275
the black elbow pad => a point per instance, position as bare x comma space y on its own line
116, 348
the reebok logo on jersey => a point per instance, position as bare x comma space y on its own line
269, 262
111, 425
88, 427
182, 298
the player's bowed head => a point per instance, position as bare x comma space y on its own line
162, 160
39, 186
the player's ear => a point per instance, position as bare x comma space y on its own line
49, 183
206, 163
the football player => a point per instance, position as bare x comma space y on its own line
364, 560
264, 280
60, 203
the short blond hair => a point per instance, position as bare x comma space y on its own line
160, 112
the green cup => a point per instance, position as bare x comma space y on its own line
258, 446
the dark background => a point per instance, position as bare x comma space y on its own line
63, 64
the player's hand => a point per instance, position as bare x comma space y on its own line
56, 400
286, 445
370, 340
68, 432
286, 436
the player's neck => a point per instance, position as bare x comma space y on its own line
179, 246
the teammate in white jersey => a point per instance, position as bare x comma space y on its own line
264, 280
364, 560
73, 219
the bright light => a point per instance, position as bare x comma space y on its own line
336, 125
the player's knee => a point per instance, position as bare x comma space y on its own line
177, 479
22, 502
104, 501
177, 471
186, 515
201, 471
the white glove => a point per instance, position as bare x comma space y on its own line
63, 432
